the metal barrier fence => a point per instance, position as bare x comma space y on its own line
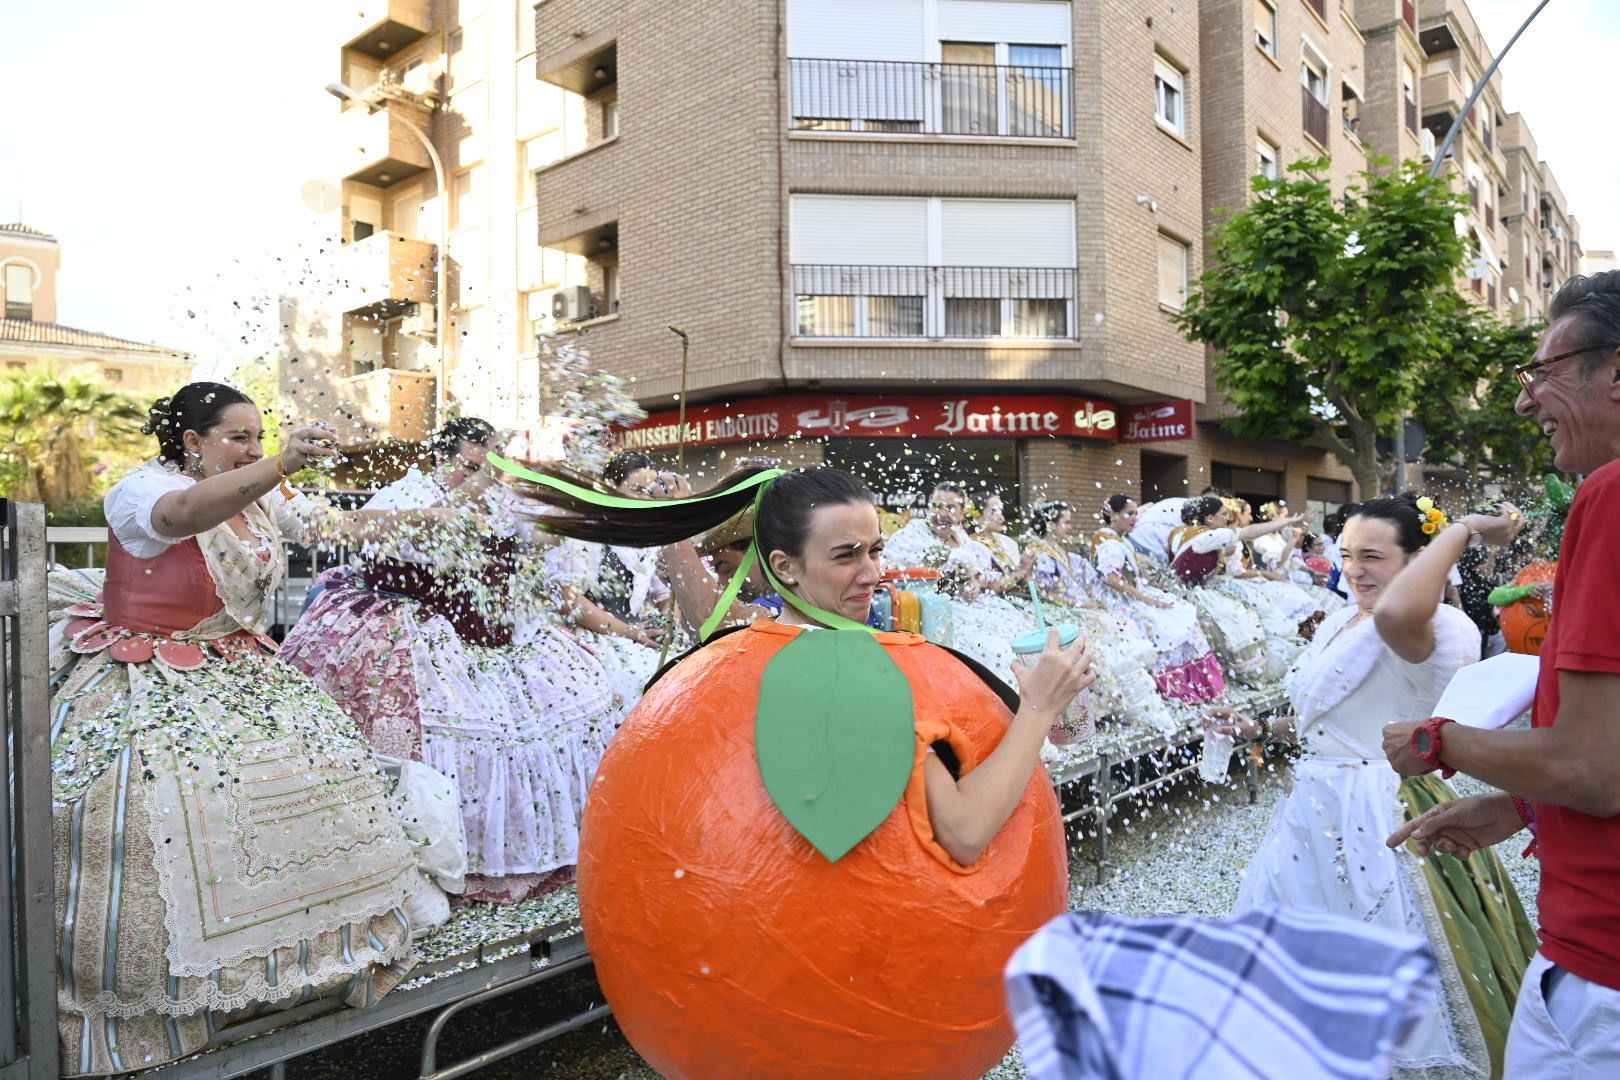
28, 1042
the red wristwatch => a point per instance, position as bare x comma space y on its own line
1428, 746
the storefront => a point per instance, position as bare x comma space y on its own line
1017, 446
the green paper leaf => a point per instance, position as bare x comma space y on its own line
835, 736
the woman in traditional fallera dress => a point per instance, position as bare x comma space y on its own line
615, 594
419, 647
1125, 655
1186, 668
1384, 660
225, 841
1198, 550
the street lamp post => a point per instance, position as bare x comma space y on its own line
441, 289
1434, 171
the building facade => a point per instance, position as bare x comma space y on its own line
908, 236
32, 340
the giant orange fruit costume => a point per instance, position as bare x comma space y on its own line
1526, 619
731, 947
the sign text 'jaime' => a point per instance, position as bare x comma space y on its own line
1157, 421
978, 416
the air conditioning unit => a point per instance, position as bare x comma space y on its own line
573, 304
420, 323
1426, 144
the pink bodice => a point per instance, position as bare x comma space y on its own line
165, 595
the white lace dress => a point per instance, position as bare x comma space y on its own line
1325, 847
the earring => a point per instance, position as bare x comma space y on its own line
789, 581
194, 464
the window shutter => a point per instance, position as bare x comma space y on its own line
859, 230
1174, 270
1024, 22
1007, 232
857, 29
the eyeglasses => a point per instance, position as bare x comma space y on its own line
1527, 374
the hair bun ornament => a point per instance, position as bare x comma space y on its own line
160, 415
1434, 518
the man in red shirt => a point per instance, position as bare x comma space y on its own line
1561, 779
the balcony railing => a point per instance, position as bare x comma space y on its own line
1351, 125
934, 302
385, 269
1411, 116
911, 98
1316, 117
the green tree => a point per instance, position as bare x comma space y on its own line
1466, 405
55, 429
1321, 308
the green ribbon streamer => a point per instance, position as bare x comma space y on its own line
758, 482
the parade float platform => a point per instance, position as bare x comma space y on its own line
487, 951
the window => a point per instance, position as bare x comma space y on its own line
1323, 497
916, 267
1265, 27
19, 291
362, 230
1313, 75
1170, 87
1175, 268
610, 290
1037, 91
610, 118
1265, 159
112, 374
536, 321
969, 101
1409, 96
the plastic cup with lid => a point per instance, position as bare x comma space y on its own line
1077, 724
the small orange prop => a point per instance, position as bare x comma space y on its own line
730, 948
1525, 622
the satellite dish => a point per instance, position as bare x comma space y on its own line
1479, 269
320, 196
1513, 295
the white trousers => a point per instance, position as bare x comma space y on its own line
1564, 1028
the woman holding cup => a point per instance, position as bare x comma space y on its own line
1387, 658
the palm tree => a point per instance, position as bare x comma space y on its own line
49, 423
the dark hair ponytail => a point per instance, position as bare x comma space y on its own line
1116, 504
446, 442
1400, 511
194, 407
783, 522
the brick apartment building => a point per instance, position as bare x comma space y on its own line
906, 236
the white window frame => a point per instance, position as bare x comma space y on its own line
1169, 80
1314, 59
1186, 270
1265, 38
1266, 151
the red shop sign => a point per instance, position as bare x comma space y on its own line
969, 416
1158, 421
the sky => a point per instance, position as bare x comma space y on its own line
166, 144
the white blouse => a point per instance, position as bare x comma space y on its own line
130, 503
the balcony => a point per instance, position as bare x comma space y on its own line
1442, 96
384, 406
379, 148
934, 302
1315, 117
584, 73
383, 27
893, 97
382, 273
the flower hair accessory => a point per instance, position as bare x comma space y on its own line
1434, 518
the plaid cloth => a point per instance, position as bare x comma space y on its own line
1285, 993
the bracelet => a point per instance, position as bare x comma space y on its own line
281, 467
